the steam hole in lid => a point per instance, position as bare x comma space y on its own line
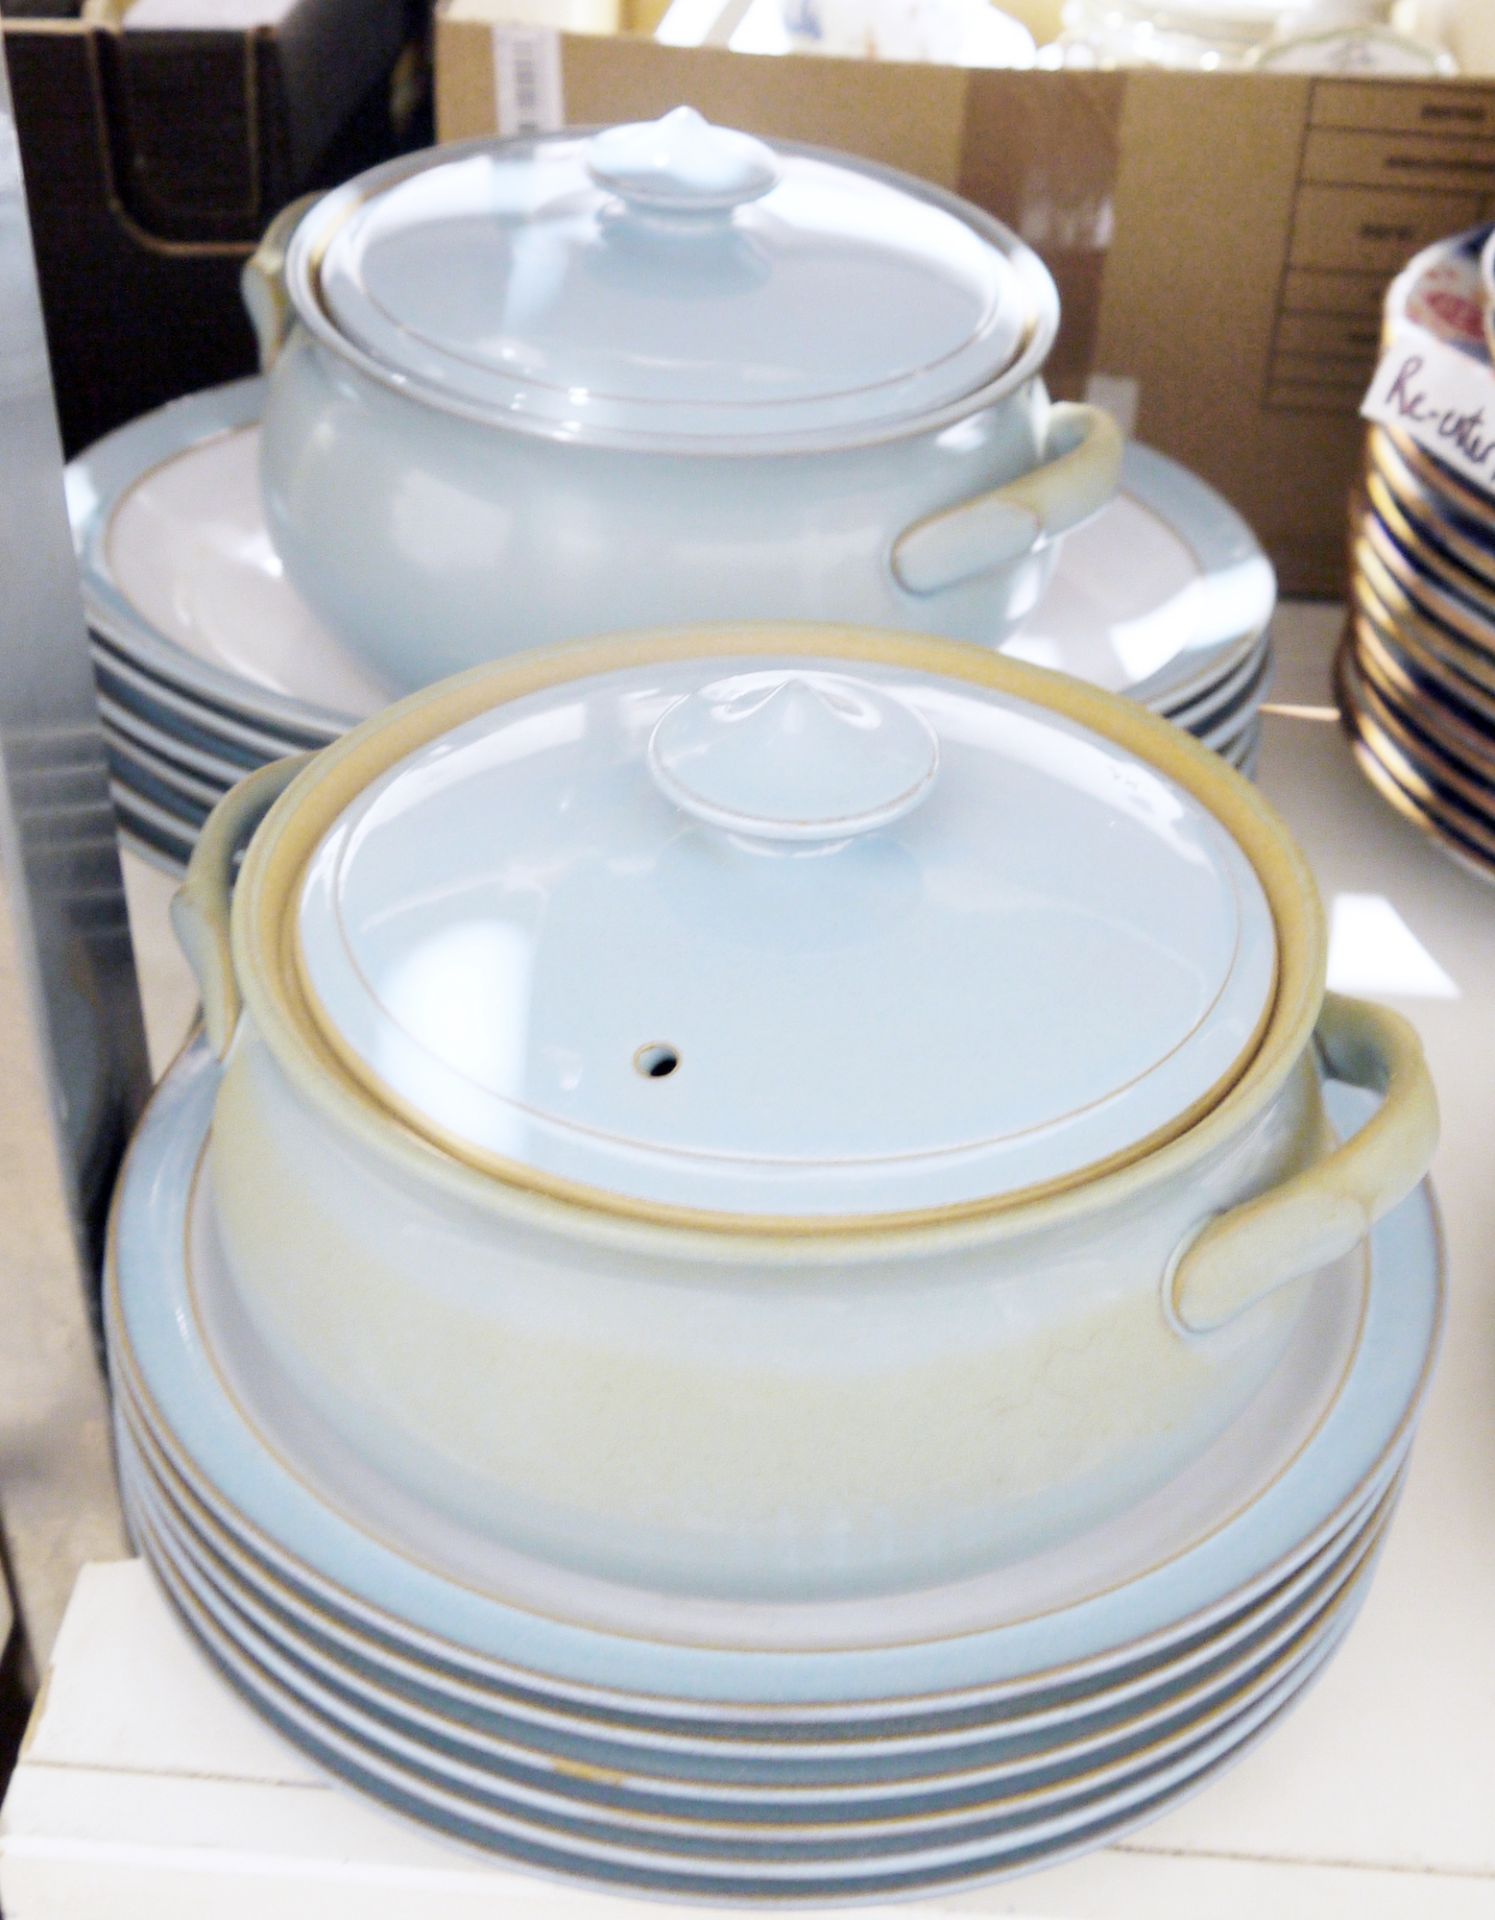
656, 1062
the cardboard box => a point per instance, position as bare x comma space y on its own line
1221, 241
153, 161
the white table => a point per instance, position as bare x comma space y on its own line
146, 1789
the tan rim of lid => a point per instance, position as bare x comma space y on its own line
271, 961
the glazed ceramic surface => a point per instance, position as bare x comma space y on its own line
1432, 559
1422, 494
833, 843
150, 834
966, 1824
932, 1830
1279, 1418
1299, 1505
200, 639
180, 574
1162, 593
1434, 769
1415, 675
649, 1306
396, 1771
516, 363
209, 664
821, 1769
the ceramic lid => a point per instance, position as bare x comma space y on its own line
784, 938
672, 277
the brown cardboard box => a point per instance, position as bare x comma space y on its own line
154, 159
1221, 241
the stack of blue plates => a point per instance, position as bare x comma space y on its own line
1416, 672
209, 663
901, 1743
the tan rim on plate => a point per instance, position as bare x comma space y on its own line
1426, 591
1402, 657
1445, 524
1397, 585
1422, 798
1470, 787
1463, 741
1416, 811
1422, 544
1439, 481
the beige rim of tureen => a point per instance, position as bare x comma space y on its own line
268, 976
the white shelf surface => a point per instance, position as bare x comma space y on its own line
148, 1790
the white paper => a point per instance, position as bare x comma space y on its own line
1442, 397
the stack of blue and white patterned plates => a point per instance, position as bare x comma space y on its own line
209, 664
1416, 673
890, 1744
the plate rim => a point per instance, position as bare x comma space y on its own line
470, 1778
1288, 1613
1225, 1570
1215, 534
97, 481
1262, 1711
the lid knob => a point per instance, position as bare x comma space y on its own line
793, 756
682, 164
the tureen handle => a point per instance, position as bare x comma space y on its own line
1322, 1213
1078, 476
682, 164
200, 907
262, 284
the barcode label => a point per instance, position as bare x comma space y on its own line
527, 89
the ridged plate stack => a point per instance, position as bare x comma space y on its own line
1416, 671
209, 664
817, 1752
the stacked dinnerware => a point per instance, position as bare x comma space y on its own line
1416, 672
542, 388
1165, 597
1303, 36
209, 663
846, 1402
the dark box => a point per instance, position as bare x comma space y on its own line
155, 158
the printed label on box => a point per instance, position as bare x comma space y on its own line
1442, 398
528, 94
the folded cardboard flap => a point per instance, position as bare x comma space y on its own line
1221, 242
